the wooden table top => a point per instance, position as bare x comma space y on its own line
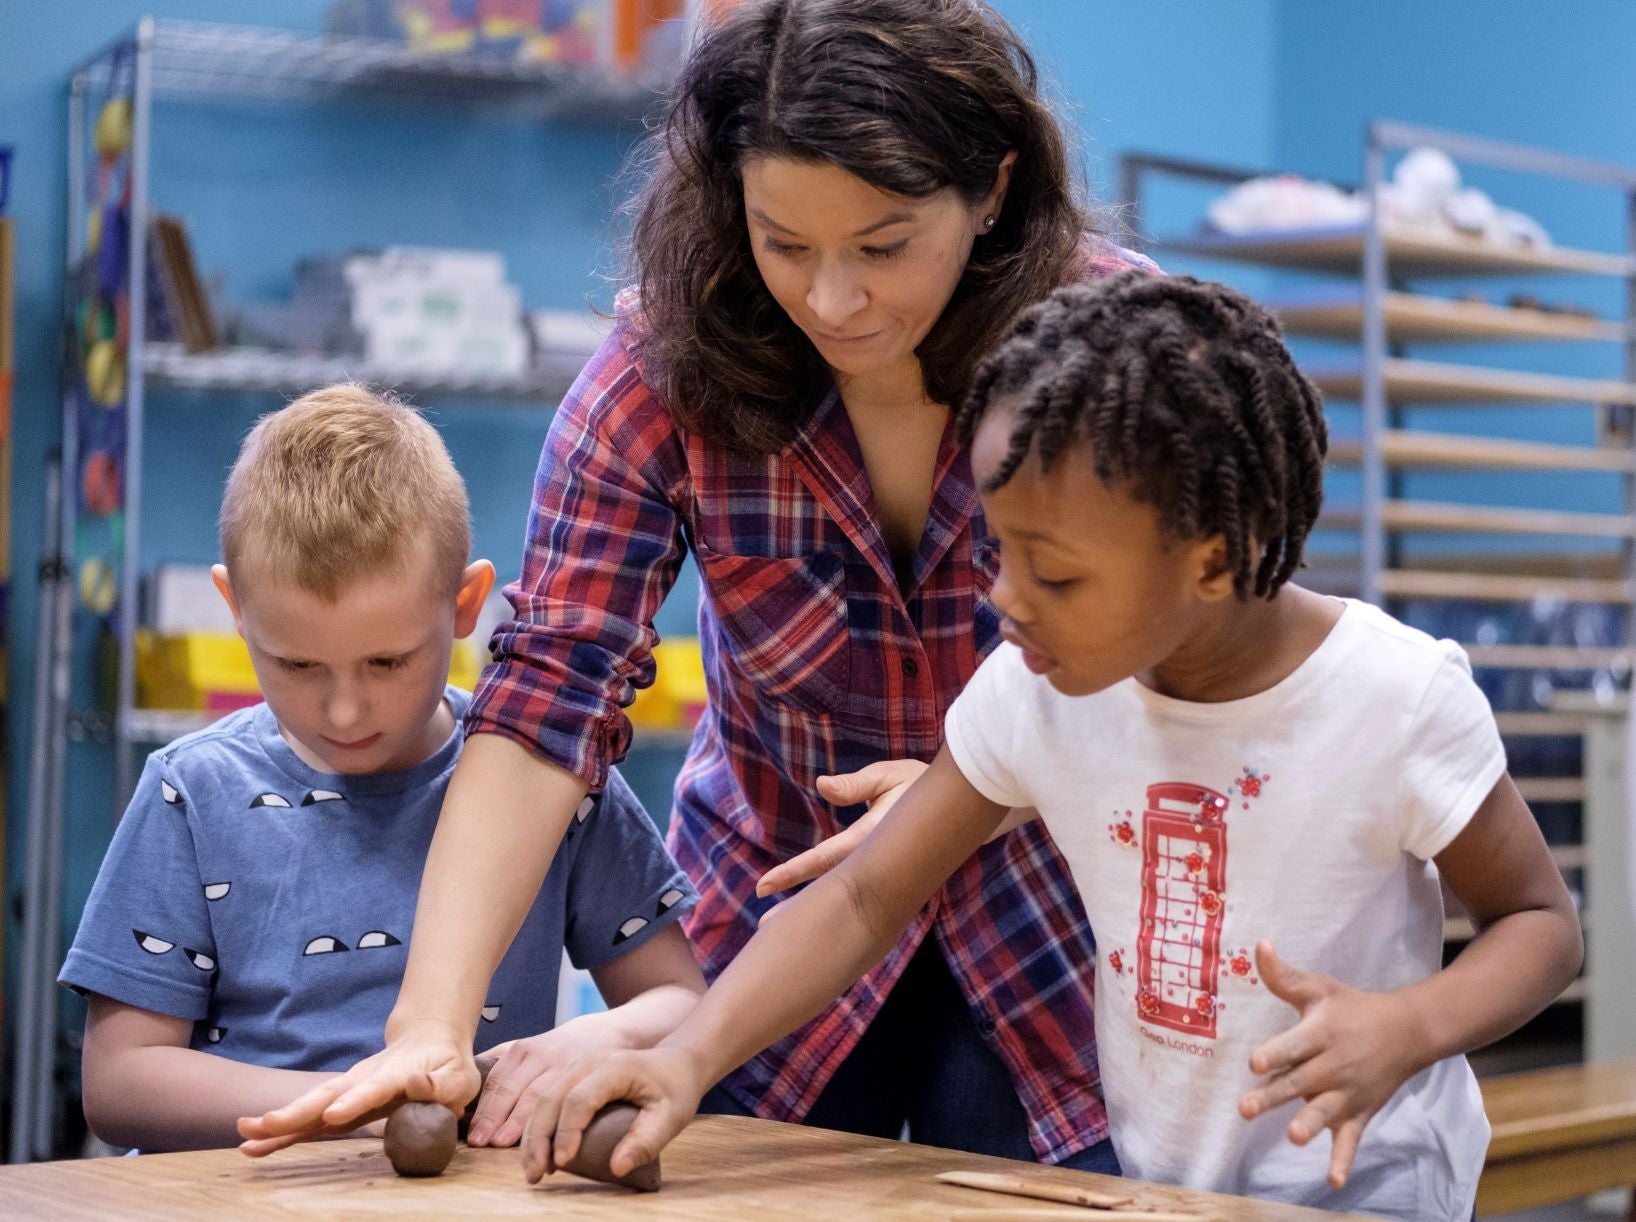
1573, 1106
721, 1167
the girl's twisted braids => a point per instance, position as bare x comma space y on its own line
1185, 392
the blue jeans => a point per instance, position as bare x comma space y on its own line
923, 1063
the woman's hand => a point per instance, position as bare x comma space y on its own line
1346, 1057
880, 785
424, 1063
664, 1082
544, 1066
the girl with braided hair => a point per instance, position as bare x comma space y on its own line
1225, 760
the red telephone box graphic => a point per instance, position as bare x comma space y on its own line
1184, 877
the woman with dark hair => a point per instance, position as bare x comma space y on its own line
849, 202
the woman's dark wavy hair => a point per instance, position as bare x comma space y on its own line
912, 96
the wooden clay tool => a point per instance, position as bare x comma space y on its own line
1039, 1190
1066, 1215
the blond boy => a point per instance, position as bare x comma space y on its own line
247, 932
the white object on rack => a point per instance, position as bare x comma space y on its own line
1284, 201
183, 598
422, 309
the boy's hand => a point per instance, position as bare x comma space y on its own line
664, 1082
423, 1063
880, 785
1348, 1054
528, 1070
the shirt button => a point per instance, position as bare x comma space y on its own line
911, 668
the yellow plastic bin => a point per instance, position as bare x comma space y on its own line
211, 672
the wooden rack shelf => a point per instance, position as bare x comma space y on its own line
1339, 249
1554, 789
1413, 318
1414, 448
1487, 587
1541, 725
1549, 657
1484, 519
1431, 382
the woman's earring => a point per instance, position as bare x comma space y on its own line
988, 223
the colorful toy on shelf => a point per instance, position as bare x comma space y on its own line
105, 373
113, 130
98, 589
439, 26
567, 32
101, 314
101, 484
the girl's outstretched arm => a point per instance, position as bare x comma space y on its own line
816, 946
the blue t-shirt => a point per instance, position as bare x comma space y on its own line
272, 904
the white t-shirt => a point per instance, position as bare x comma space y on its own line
1307, 814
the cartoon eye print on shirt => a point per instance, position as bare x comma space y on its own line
216, 891
582, 813
328, 944
168, 792
151, 944
278, 801
214, 1035
668, 900
199, 959
630, 929
490, 1013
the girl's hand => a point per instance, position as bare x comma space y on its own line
880, 785
664, 1082
423, 1063
542, 1066
1346, 1057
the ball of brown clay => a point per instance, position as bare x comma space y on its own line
484, 1065
420, 1138
596, 1147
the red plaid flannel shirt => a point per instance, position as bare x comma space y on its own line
816, 663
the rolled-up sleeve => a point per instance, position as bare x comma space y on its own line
603, 549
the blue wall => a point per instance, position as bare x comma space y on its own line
1510, 70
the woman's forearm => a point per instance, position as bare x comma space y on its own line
503, 817
163, 1098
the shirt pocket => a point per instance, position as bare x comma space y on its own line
784, 622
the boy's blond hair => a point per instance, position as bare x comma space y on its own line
339, 485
